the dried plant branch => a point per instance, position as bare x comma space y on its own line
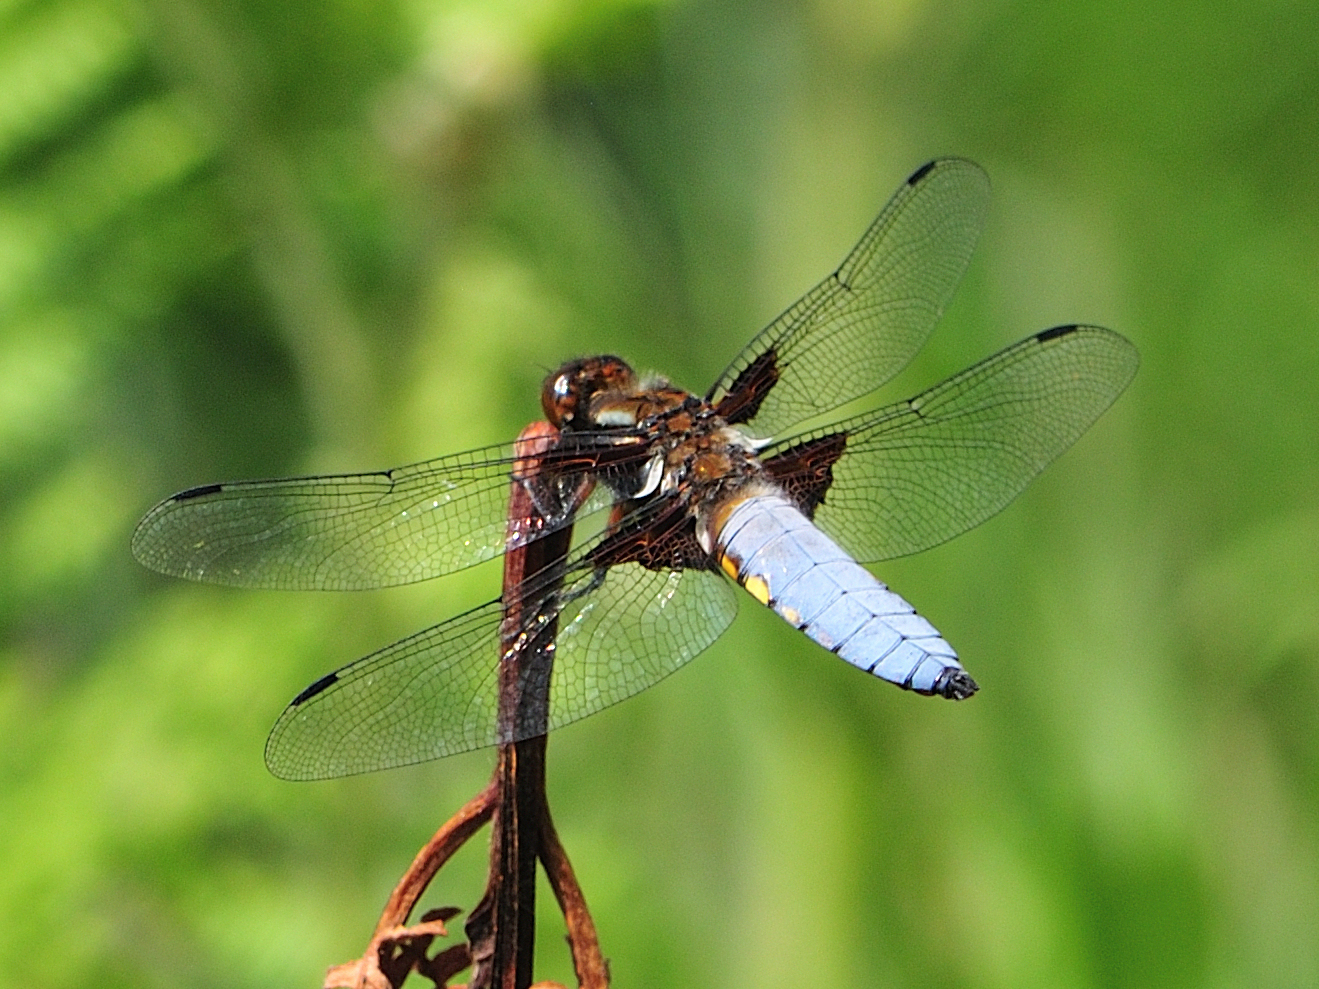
590, 965
501, 929
447, 840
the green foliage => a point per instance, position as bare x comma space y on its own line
264, 238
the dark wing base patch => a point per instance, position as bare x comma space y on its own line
749, 389
805, 471
663, 541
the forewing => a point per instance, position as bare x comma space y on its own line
345, 532
864, 323
919, 472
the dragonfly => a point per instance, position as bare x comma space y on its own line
747, 485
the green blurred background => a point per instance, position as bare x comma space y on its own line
268, 237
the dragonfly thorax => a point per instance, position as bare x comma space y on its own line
667, 442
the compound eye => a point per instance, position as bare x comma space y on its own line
559, 399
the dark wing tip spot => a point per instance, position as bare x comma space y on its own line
956, 685
1044, 336
314, 689
198, 492
921, 172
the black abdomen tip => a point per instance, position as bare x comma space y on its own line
956, 685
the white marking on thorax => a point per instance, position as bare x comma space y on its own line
616, 417
733, 436
654, 474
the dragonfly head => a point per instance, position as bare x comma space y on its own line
567, 393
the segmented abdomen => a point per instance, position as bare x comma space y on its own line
784, 561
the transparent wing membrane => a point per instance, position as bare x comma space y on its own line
430, 695
864, 323
920, 472
345, 532
436, 693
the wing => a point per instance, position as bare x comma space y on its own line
914, 474
432, 694
864, 323
356, 531
436, 693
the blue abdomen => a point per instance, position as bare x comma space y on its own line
784, 561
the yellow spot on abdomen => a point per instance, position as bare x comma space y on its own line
757, 588
729, 565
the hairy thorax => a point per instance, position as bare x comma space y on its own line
673, 443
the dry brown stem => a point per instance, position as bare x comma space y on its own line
500, 931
